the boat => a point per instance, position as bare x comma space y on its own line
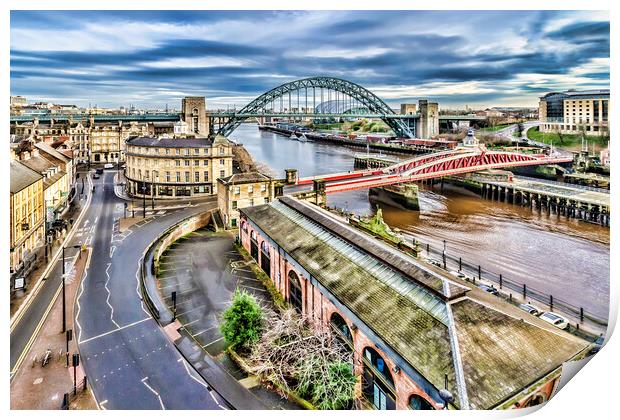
303, 138
293, 136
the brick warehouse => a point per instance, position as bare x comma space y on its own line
413, 331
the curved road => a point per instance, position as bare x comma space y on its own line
129, 361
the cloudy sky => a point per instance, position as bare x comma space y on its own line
153, 58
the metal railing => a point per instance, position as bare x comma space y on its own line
73, 395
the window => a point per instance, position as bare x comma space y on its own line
186, 152
416, 402
167, 176
221, 161
205, 162
265, 258
222, 173
206, 151
221, 151
178, 151
196, 176
266, 200
237, 190
206, 175
234, 205
251, 202
342, 329
186, 176
294, 291
196, 151
197, 162
263, 187
378, 385
177, 162
168, 151
178, 176
187, 162
250, 188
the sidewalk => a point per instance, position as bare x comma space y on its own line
42, 388
19, 296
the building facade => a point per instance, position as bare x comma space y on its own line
169, 167
27, 229
243, 190
414, 333
428, 123
574, 112
194, 113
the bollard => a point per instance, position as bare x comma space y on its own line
85, 383
581, 314
65, 401
500, 281
510, 298
479, 273
460, 264
551, 303
428, 249
524, 290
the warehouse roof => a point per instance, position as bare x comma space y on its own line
498, 355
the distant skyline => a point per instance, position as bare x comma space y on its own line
153, 58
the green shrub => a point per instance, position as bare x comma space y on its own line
243, 321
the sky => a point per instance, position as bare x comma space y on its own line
152, 58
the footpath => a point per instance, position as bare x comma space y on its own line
38, 387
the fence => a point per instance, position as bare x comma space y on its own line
72, 395
476, 272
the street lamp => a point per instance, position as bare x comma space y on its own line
64, 314
446, 395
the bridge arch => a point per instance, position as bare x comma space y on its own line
362, 97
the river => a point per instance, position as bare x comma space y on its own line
562, 257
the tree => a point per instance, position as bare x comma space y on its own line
243, 321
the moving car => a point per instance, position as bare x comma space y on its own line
489, 289
108, 166
96, 176
554, 319
531, 309
98, 171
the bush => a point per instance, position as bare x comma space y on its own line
330, 387
243, 321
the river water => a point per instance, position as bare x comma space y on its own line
565, 258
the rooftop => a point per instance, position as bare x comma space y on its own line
22, 176
421, 315
245, 178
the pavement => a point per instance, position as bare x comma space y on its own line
205, 269
42, 387
28, 317
127, 356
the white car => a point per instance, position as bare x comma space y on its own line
459, 275
531, 309
554, 319
108, 166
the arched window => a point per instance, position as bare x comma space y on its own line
244, 226
378, 384
535, 400
295, 297
416, 402
341, 328
265, 258
253, 246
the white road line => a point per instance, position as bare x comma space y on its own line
96, 218
213, 342
101, 404
203, 331
77, 300
113, 331
181, 360
192, 310
109, 295
112, 249
146, 378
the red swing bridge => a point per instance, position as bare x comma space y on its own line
469, 157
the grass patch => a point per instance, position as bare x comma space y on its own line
494, 129
569, 141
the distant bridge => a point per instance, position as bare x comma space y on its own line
434, 165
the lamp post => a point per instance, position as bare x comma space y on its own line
446, 395
64, 299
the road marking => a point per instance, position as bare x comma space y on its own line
77, 300
181, 360
102, 403
213, 342
153, 391
109, 295
138, 287
191, 310
113, 331
112, 249
203, 331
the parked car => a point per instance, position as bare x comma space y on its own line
108, 166
459, 275
531, 309
489, 289
554, 319
96, 176
99, 171
433, 262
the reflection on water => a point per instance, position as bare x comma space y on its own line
566, 258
